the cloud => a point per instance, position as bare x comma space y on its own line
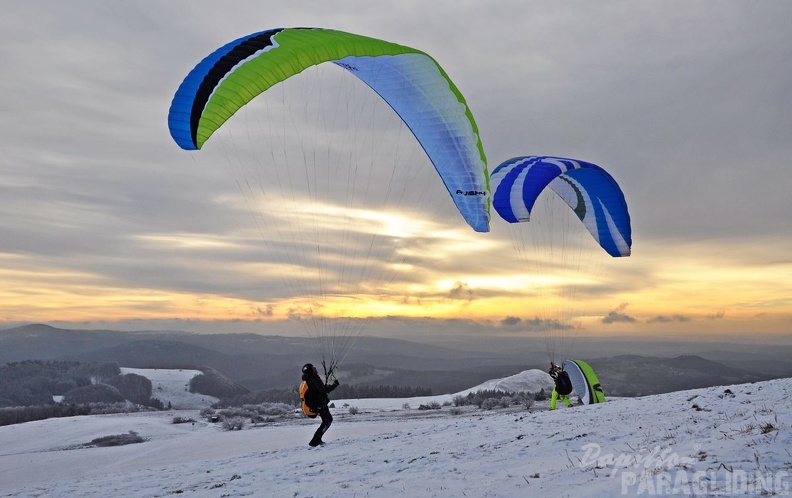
668, 319
268, 310
533, 324
461, 291
717, 315
617, 315
614, 317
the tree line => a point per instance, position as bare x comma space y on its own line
37, 389
291, 397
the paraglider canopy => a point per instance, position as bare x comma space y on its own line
553, 207
410, 81
585, 381
589, 190
319, 178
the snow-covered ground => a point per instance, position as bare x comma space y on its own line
731, 440
173, 386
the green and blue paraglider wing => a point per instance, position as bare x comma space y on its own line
589, 190
410, 81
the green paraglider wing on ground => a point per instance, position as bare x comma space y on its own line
584, 379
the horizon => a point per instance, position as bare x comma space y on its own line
474, 340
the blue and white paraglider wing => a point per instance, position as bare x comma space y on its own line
590, 191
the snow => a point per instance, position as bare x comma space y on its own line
730, 440
531, 381
172, 386
527, 381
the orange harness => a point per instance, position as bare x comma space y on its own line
306, 410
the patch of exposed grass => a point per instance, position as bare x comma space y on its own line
117, 439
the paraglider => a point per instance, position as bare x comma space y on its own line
410, 81
313, 394
554, 206
591, 193
575, 376
323, 165
563, 385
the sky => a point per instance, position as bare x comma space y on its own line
107, 223
718, 441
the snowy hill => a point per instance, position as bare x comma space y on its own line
173, 386
730, 440
531, 381
528, 381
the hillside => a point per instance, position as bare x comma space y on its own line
726, 440
257, 362
260, 362
172, 387
641, 375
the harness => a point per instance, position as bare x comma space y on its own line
563, 383
305, 408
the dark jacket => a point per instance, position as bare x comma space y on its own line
316, 395
563, 385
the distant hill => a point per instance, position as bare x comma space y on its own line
531, 381
42, 342
259, 362
632, 375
